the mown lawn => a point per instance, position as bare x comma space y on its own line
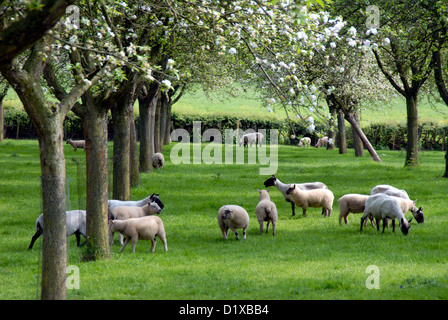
309, 258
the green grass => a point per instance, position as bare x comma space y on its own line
309, 258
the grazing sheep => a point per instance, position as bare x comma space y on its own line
143, 228
252, 137
382, 207
273, 181
75, 221
305, 142
322, 142
140, 203
77, 144
233, 217
123, 213
351, 203
390, 191
409, 205
266, 211
157, 160
316, 198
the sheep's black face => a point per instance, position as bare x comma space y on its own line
405, 226
226, 214
270, 182
419, 216
154, 198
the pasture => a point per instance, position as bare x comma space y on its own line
309, 258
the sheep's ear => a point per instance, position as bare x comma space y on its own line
258, 190
268, 189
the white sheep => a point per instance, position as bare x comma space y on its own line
381, 207
139, 203
157, 160
143, 228
75, 221
233, 217
409, 205
77, 144
124, 213
273, 181
316, 198
251, 138
305, 142
266, 211
351, 203
389, 190
322, 142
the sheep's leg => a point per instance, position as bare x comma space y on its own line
120, 238
134, 242
244, 233
163, 239
267, 227
377, 221
304, 211
362, 222
124, 245
36, 236
384, 224
273, 228
393, 225
293, 208
260, 231
153, 245
78, 238
224, 232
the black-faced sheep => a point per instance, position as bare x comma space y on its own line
266, 211
143, 228
317, 198
233, 217
382, 207
77, 144
157, 160
139, 203
273, 181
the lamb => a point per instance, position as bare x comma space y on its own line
322, 142
409, 205
252, 137
389, 190
381, 206
266, 211
75, 221
305, 142
351, 203
139, 203
77, 144
143, 228
316, 198
233, 217
157, 160
273, 181
124, 213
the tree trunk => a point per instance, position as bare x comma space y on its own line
167, 135
342, 138
357, 143
121, 164
97, 180
412, 127
157, 122
355, 125
133, 155
332, 130
2, 122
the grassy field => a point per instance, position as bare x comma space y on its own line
309, 258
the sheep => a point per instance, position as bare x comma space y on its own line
77, 144
75, 221
322, 142
233, 217
409, 205
305, 142
273, 181
351, 203
316, 198
389, 190
157, 160
123, 213
266, 211
139, 203
143, 228
381, 206
252, 137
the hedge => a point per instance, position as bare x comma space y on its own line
382, 136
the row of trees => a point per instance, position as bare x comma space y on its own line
96, 57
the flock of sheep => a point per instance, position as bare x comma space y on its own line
136, 220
